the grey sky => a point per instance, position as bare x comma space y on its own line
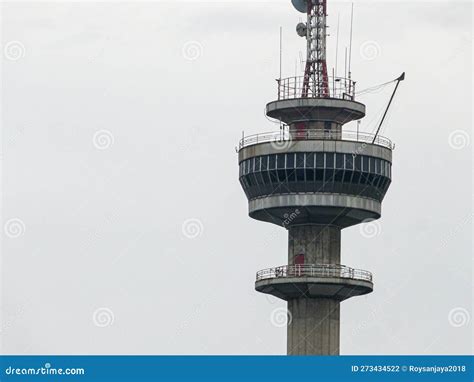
119, 125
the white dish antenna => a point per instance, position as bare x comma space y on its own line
300, 5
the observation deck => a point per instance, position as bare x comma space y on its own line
337, 282
331, 177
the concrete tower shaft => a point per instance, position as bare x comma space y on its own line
315, 322
320, 244
314, 328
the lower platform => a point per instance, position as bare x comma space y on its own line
314, 281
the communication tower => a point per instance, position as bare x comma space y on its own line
314, 179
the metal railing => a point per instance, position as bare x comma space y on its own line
339, 87
284, 138
313, 270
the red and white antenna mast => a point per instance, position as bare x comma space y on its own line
316, 83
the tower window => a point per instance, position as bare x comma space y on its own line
347, 176
320, 160
329, 160
309, 174
356, 178
281, 161
257, 164
365, 164
281, 176
273, 177
290, 161
349, 161
300, 160
300, 175
291, 175
272, 162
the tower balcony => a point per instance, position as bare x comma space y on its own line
296, 104
285, 139
293, 88
336, 282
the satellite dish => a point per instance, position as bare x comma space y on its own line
300, 5
301, 29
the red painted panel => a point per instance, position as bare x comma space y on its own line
299, 259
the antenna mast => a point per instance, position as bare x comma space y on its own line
316, 82
281, 50
350, 43
337, 42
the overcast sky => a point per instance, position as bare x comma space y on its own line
125, 227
